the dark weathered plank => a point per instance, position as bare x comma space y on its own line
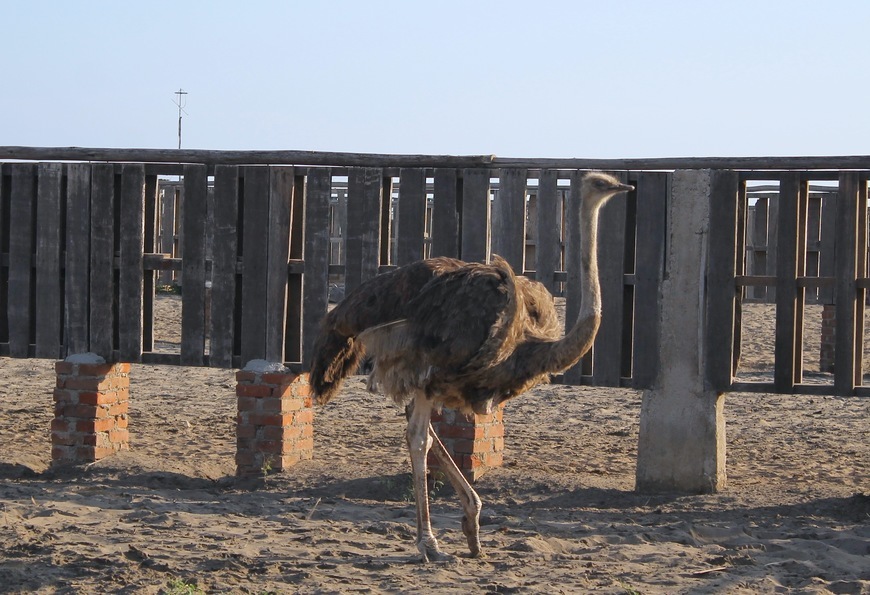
721, 272
281, 182
827, 240
860, 271
548, 250
445, 214
573, 297
167, 229
20, 307
509, 218
293, 332
411, 216
149, 278
102, 256
131, 275
77, 265
607, 354
316, 257
363, 249
4, 241
386, 229
846, 294
193, 265
789, 297
48, 254
652, 199
475, 215
255, 257
223, 272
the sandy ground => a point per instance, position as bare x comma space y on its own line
560, 517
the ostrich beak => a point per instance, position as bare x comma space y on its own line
623, 188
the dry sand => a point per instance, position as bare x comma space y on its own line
560, 516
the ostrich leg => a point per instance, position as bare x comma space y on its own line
419, 443
471, 504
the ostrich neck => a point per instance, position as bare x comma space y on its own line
578, 340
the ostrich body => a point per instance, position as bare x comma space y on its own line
469, 336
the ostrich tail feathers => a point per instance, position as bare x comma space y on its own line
337, 356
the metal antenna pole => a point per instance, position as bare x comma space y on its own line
180, 102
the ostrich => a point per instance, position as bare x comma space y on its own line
468, 336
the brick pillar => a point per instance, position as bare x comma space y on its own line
90, 411
476, 442
275, 422
829, 325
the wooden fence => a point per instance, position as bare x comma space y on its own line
81, 250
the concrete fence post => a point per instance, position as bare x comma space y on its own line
681, 447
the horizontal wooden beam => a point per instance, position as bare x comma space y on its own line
338, 159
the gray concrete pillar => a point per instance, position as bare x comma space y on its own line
681, 446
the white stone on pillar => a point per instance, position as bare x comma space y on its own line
681, 447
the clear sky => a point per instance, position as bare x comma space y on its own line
542, 78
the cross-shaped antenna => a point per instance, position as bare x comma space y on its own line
181, 101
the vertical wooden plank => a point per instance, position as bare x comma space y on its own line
316, 257
761, 243
607, 355
295, 285
385, 241
281, 181
48, 253
149, 278
130, 275
573, 269
223, 287
652, 198
411, 216
787, 334
445, 213
721, 271
740, 269
167, 229
193, 264
5, 184
77, 265
475, 215
20, 307
846, 293
509, 218
102, 256
860, 271
255, 251
363, 249
827, 242
548, 252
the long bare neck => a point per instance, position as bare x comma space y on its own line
578, 340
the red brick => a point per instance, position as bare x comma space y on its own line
91, 426
245, 376
118, 436
253, 390
304, 416
246, 431
96, 369
63, 438
119, 409
93, 453
247, 403
63, 367
97, 398
59, 425
278, 378
64, 396
121, 422
59, 453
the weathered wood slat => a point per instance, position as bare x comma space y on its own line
316, 255
789, 298
48, 254
509, 218
573, 375
77, 265
846, 294
4, 264
293, 333
607, 354
827, 240
131, 275
411, 216
445, 213
721, 272
255, 256
149, 278
652, 198
281, 180
363, 249
102, 256
223, 288
475, 215
167, 229
193, 265
548, 253
20, 306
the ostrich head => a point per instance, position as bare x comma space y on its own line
598, 187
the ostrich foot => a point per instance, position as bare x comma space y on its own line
471, 529
430, 552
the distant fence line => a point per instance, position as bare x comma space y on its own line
84, 245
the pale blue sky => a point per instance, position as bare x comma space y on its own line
543, 78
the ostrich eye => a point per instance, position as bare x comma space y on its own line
600, 184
